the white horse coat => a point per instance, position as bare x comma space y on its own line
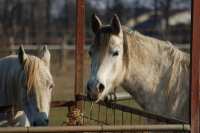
26, 84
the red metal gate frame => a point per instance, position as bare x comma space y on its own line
195, 69
195, 61
79, 52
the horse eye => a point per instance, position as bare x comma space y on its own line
51, 86
116, 53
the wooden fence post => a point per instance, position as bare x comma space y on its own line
12, 45
63, 53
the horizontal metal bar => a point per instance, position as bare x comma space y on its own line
57, 104
35, 47
183, 46
54, 104
106, 128
68, 47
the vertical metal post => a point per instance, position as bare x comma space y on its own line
79, 52
195, 72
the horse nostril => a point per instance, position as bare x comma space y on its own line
101, 87
37, 109
47, 121
34, 124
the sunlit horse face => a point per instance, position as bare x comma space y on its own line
38, 86
106, 58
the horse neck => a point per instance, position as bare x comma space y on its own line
148, 60
10, 83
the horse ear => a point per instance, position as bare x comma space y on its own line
116, 25
22, 55
45, 55
96, 23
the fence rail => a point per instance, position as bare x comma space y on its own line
111, 128
64, 49
68, 47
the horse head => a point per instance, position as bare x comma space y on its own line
107, 68
38, 84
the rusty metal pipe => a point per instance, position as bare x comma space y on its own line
195, 69
113, 128
79, 51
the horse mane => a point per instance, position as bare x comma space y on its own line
135, 37
136, 40
31, 66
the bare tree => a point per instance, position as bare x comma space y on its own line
166, 8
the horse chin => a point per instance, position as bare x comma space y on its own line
98, 100
101, 97
98, 96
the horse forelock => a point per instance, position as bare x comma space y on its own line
31, 67
102, 41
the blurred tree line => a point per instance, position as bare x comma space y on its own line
24, 20
34, 21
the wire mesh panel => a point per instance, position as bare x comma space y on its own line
116, 113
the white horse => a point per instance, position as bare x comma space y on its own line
154, 72
26, 85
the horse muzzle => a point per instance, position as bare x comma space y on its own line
41, 119
94, 89
44, 122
